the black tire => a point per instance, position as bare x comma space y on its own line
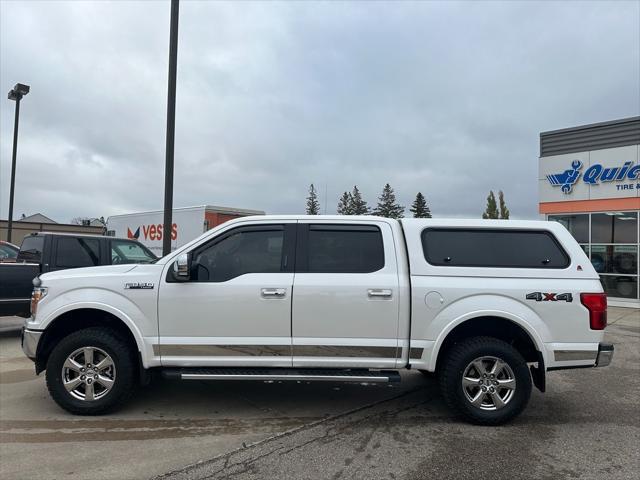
460, 356
124, 361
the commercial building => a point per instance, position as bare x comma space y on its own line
589, 180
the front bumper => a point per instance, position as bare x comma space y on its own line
30, 340
605, 354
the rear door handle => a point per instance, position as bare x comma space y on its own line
379, 293
273, 292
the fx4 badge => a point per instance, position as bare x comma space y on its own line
138, 286
550, 297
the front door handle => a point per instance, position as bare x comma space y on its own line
273, 292
379, 293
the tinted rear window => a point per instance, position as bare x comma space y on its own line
493, 248
345, 249
31, 249
77, 252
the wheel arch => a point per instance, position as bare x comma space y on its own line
502, 325
82, 316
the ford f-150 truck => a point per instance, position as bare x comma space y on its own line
489, 306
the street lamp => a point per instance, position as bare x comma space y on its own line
171, 128
19, 91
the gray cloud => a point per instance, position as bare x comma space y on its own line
445, 98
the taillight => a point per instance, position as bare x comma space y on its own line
596, 303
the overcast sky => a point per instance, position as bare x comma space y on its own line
443, 98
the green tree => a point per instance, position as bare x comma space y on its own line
358, 204
344, 205
387, 205
313, 206
419, 207
492, 208
504, 211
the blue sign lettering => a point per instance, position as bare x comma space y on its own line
593, 175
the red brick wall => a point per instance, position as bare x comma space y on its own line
214, 219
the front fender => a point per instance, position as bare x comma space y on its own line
139, 317
484, 305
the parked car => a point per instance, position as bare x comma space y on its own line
8, 251
489, 306
47, 252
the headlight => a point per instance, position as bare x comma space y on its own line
38, 294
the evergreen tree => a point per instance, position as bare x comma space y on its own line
387, 205
492, 208
419, 207
358, 204
504, 211
313, 206
345, 203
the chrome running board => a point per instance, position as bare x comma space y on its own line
283, 374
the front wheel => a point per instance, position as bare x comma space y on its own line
91, 372
486, 380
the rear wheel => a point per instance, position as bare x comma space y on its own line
91, 372
486, 380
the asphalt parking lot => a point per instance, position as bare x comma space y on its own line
587, 425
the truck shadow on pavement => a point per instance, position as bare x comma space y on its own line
174, 409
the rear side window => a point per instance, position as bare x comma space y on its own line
345, 249
77, 252
493, 248
31, 249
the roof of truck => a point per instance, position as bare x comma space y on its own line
444, 222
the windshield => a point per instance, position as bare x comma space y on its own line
8, 251
124, 251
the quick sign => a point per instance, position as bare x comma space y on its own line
624, 176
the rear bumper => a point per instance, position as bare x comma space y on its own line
605, 354
30, 340
569, 359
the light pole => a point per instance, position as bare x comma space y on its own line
171, 129
19, 91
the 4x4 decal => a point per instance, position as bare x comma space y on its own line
550, 297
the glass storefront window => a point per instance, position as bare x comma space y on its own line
614, 227
615, 259
578, 225
611, 241
621, 287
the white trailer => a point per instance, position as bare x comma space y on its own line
188, 223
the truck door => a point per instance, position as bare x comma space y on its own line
235, 310
345, 301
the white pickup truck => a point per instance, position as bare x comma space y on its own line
489, 306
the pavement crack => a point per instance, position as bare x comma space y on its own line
226, 456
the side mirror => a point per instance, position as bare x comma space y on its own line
182, 267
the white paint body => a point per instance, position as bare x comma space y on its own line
334, 310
